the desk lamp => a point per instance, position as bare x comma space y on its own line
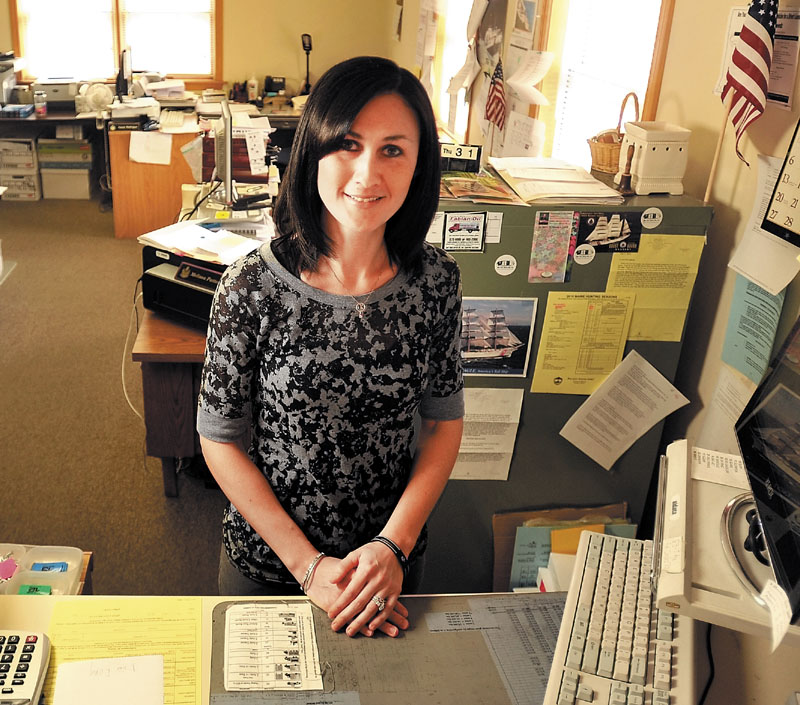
306, 38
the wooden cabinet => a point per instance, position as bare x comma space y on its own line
146, 196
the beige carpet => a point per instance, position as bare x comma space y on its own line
72, 463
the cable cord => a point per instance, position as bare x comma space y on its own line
199, 203
134, 316
710, 667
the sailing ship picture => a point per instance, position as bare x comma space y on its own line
610, 232
496, 334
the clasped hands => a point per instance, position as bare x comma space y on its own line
352, 589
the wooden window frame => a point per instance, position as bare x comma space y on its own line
660, 46
192, 82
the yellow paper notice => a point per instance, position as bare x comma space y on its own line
132, 626
566, 540
583, 339
662, 275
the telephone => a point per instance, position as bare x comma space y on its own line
24, 657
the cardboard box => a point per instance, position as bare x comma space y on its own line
66, 183
504, 529
21, 187
18, 155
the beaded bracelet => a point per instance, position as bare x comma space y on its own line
394, 548
310, 571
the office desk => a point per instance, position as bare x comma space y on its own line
171, 355
148, 196
459, 664
421, 666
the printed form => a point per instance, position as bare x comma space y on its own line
271, 647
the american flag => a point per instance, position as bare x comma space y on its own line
748, 71
496, 102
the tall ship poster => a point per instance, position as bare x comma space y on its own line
496, 335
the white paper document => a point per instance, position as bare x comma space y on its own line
186, 237
271, 646
150, 147
632, 399
524, 136
764, 259
475, 17
720, 468
529, 74
783, 69
736, 17
731, 395
467, 73
128, 680
491, 420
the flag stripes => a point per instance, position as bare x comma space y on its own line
496, 100
747, 78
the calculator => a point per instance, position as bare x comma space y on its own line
23, 665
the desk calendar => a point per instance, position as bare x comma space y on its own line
782, 217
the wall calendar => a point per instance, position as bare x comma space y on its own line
782, 217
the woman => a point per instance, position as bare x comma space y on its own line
323, 348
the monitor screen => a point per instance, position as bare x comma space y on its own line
124, 81
225, 193
769, 439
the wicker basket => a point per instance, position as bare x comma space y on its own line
605, 145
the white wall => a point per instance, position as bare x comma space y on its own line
692, 67
264, 37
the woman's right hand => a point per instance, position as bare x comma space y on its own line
324, 594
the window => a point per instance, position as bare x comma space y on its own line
602, 59
599, 58
452, 110
177, 38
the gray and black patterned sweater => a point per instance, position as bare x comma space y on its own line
329, 398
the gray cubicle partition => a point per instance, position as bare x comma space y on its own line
546, 470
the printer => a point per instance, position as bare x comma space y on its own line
8, 79
178, 286
60, 92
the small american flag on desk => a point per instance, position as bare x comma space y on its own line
496, 101
748, 71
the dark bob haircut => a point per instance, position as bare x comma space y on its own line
332, 106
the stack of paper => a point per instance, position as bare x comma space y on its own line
532, 551
542, 180
539, 546
188, 238
483, 187
212, 109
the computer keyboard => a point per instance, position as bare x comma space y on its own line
171, 118
614, 646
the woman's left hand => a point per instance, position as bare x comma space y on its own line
376, 580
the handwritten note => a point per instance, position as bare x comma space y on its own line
132, 680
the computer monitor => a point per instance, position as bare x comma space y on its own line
224, 195
124, 81
768, 431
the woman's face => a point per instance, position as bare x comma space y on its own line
364, 183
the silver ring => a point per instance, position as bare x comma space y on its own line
380, 602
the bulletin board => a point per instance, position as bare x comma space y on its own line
546, 470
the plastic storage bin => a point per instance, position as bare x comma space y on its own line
60, 583
11, 551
